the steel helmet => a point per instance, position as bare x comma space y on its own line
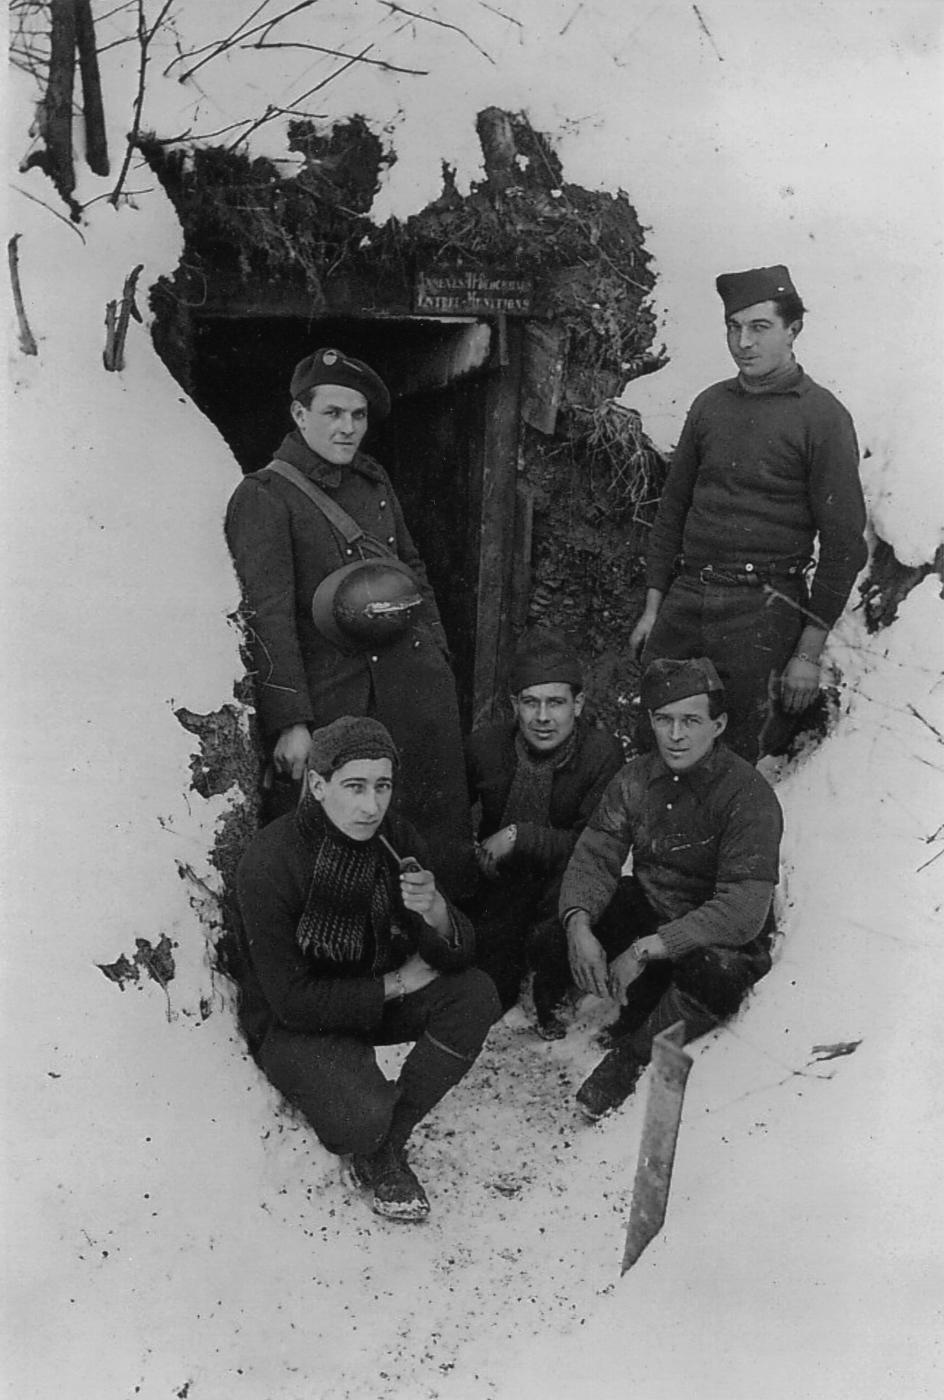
370, 602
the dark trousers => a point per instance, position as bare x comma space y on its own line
750, 635
702, 988
337, 1084
504, 912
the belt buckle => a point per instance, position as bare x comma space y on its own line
706, 574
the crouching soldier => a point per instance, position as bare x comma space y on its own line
536, 780
353, 945
687, 933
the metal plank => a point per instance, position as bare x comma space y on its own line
669, 1074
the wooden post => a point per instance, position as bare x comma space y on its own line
96, 144
670, 1067
27, 339
493, 634
57, 102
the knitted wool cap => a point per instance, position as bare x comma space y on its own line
544, 658
740, 289
327, 366
666, 680
347, 739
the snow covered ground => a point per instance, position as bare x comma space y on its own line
172, 1230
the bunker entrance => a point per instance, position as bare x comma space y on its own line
448, 434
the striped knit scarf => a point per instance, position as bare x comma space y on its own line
529, 797
347, 914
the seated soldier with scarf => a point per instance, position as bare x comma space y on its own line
353, 945
536, 780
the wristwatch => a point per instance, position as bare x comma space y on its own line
512, 832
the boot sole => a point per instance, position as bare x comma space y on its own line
407, 1212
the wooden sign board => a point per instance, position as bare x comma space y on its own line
472, 294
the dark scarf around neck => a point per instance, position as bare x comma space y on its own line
348, 912
529, 797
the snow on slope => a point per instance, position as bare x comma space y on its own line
172, 1228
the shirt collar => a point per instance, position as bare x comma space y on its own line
700, 779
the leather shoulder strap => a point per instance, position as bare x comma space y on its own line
346, 526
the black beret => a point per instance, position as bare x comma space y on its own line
665, 681
346, 740
327, 366
544, 658
740, 289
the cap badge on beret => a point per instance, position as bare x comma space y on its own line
330, 366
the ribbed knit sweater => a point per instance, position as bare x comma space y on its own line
756, 479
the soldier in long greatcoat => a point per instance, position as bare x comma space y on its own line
306, 674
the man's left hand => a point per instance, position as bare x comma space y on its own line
799, 684
418, 888
624, 970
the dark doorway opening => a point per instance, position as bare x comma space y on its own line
432, 445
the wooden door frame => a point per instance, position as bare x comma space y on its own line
499, 498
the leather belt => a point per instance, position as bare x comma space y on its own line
742, 575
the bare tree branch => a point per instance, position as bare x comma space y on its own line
273, 111
338, 53
926, 722
217, 46
128, 5
264, 28
118, 43
442, 24
501, 13
68, 222
145, 36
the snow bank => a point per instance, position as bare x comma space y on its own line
802, 1255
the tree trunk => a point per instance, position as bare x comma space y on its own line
58, 100
96, 145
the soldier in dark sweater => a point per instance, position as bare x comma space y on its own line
686, 934
536, 780
766, 468
353, 945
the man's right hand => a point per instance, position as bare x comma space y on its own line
586, 955
291, 750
